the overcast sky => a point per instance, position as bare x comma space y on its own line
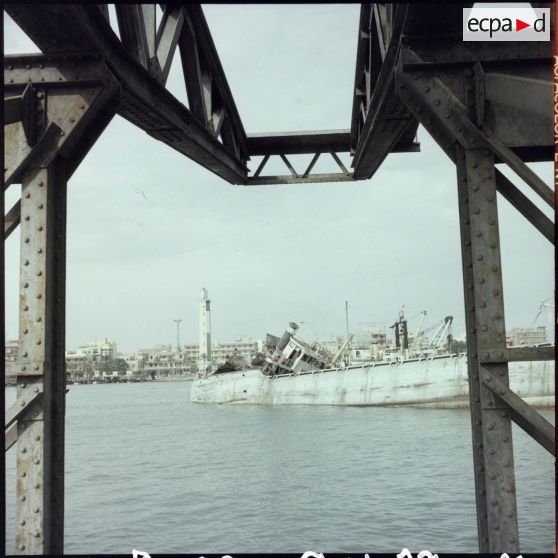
270, 254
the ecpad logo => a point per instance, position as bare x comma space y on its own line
506, 24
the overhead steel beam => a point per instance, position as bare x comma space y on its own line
136, 23
380, 120
296, 177
167, 39
290, 143
299, 179
319, 141
449, 122
209, 93
144, 100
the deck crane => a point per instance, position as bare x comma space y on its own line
439, 335
419, 330
544, 304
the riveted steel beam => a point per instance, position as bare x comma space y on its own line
386, 121
40, 444
295, 177
21, 108
445, 52
299, 179
82, 95
27, 397
167, 38
79, 97
508, 130
519, 92
522, 414
449, 119
144, 101
514, 354
136, 23
11, 219
478, 106
492, 439
459, 107
290, 143
209, 95
525, 206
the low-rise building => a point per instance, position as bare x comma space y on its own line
79, 366
241, 347
11, 351
526, 336
162, 361
98, 349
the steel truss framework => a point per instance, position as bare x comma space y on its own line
483, 103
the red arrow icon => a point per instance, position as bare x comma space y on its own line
519, 25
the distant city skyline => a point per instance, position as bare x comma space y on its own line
148, 228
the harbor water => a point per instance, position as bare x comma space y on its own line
148, 470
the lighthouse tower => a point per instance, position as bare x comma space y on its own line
204, 360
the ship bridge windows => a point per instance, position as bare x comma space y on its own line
292, 357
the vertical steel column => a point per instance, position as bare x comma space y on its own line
482, 276
76, 97
40, 444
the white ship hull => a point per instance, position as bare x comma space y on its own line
434, 382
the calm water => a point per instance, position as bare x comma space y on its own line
146, 469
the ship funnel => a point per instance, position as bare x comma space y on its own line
286, 337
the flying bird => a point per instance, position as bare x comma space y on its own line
138, 191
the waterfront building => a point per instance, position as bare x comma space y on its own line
521, 336
242, 347
11, 351
163, 361
99, 349
79, 366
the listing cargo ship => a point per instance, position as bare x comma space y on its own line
296, 372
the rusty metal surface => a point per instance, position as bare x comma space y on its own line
77, 88
40, 444
289, 143
77, 96
381, 122
525, 416
28, 396
144, 100
405, 73
32, 358
510, 354
477, 128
